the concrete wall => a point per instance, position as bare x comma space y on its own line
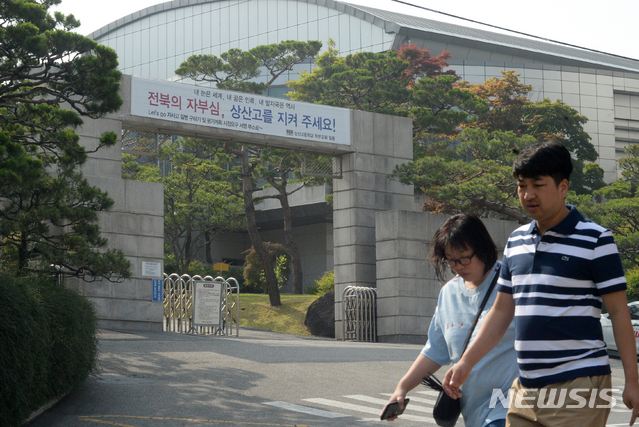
407, 288
134, 225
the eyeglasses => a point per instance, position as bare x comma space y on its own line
461, 261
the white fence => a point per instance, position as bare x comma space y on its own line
178, 305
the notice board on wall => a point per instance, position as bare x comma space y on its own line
207, 303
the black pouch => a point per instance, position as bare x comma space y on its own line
446, 410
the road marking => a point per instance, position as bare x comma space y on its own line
429, 392
305, 409
365, 409
96, 419
383, 402
414, 399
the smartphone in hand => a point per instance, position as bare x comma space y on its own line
392, 410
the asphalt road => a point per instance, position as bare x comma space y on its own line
164, 379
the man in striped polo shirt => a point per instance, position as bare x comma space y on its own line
557, 272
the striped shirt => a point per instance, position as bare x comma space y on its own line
557, 281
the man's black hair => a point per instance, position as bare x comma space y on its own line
550, 158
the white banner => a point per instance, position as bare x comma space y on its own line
246, 112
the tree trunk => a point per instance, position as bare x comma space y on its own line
209, 256
296, 262
254, 236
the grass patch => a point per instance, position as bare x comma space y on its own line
256, 312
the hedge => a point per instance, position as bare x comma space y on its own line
48, 344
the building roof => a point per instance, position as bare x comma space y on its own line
427, 28
531, 44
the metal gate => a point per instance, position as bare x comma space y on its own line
360, 313
178, 305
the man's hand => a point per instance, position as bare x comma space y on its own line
454, 378
631, 399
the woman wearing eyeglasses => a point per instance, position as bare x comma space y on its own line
464, 245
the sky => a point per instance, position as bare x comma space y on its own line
606, 26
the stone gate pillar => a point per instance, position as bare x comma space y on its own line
379, 143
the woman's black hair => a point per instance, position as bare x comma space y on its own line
463, 231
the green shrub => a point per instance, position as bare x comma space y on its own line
632, 293
48, 344
323, 285
254, 276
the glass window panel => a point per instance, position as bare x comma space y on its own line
197, 27
272, 15
278, 91
282, 35
333, 30
355, 27
262, 18
145, 46
366, 35
302, 32
272, 37
377, 35
282, 14
291, 33
145, 70
137, 47
162, 40
243, 27
170, 34
323, 34
224, 25
291, 12
172, 65
154, 45
234, 26
323, 12
262, 39
121, 50
302, 12
182, 40
252, 19
344, 44
312, 31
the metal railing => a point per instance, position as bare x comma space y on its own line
360, 313
178, 305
